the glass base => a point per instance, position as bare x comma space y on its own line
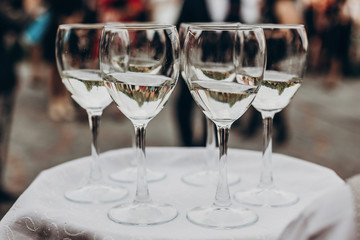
267, 197
222, 218
206, 178
142, 214
96, 193
129, 175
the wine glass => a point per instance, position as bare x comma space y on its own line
140, 67
286, 61
208, 174
223, 96
129, 173
77, 47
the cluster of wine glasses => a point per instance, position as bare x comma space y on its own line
227, 67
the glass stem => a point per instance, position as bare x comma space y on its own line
210, 162
142, 190
266, 177
222, 197
133, 158
96, 170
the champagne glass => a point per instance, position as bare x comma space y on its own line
223, 97
286, 61
208, 174
140, 67
77, 47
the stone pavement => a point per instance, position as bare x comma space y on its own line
324, 129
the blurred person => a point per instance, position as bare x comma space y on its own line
199, 11
39, 15
122, 11
12, 22
90, 9
60, 106
329, 27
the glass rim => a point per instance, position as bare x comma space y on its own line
237, 27
138, 26
228, 25
131, 23
278, 26
82, 26
187, 24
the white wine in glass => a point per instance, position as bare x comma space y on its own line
139, 95
276, 91
87, 88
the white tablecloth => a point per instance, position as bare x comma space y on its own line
42, 212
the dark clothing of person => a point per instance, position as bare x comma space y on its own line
195, 11
58, 9
192, 11
335, 35
10, 53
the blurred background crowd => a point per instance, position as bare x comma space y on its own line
28, 69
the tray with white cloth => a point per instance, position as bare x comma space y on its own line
42, 212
